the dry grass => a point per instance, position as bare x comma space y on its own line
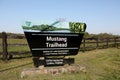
102, 64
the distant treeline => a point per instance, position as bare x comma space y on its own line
14, 35
87, 35
100, 35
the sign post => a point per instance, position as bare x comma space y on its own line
54, 43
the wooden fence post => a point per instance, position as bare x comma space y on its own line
97, 43
115, 42
4, 46
84, 45
107, 42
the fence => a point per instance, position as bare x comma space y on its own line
99, 43
86, 45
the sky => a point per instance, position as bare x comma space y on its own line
101, 16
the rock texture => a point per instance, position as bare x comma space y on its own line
53, 70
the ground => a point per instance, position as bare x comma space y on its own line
101, 64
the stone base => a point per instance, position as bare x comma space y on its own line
53, 70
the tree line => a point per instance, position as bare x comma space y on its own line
14, 35
100, 35
87, 35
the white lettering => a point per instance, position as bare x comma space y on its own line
55, 44
49, 38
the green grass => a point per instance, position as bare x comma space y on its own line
101, 64
16, 48
93, 46
15, 41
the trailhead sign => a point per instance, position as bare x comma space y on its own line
54, 42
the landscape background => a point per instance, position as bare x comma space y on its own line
100, 49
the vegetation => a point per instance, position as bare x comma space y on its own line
87, 35
14, 35
77, 27
100, 65
100, 35
15, 41
43, 28
15, 45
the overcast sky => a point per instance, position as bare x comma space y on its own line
101, 16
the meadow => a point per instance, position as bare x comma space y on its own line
101, 64
16, 45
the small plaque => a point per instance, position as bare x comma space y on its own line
54, 61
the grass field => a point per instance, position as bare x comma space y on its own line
15, 41
101, 64
16, 48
